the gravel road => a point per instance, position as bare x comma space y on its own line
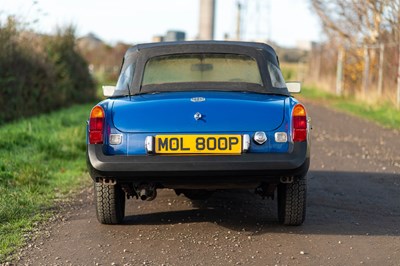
353, 215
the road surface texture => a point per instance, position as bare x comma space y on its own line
353, 215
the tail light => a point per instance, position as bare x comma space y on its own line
299, 119
96, 125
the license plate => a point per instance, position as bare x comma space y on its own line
198, 144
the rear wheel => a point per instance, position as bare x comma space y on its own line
110, 203
292, 201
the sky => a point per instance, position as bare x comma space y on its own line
285, 22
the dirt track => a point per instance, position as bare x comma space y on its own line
353, 215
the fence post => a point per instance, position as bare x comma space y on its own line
339, 72
366, 71
319, 58
381, 61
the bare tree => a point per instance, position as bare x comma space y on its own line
368, 32
358, 22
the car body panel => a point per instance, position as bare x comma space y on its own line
221, 112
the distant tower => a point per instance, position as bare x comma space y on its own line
207, 19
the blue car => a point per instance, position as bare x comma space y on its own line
199, 117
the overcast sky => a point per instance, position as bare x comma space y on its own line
133, 21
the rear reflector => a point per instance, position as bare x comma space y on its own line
299, 120
96, 125
281, 137
115, 139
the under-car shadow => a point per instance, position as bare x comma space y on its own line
339, 203
230, 208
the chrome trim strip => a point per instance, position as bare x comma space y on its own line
149, 144
246, 142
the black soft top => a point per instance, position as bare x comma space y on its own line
139, 54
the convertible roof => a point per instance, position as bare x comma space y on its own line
139, 54
153, 49
190, 46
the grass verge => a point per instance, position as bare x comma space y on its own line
384, 114
41, 159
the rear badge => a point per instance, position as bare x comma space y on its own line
198, 116
197, 99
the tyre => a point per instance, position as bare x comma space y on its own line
292, 201
110, 203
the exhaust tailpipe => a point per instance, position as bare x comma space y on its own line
147, 192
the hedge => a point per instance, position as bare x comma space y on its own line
40, 73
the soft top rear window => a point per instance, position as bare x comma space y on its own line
195, 68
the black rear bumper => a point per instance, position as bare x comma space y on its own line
186, 171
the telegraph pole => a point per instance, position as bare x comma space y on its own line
269, 20
238, 21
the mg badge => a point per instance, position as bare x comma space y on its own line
197, 99
197, 116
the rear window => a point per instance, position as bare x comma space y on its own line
184, 68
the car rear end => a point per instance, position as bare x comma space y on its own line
237, 135
196, 136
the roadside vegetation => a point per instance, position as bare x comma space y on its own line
384, 114
40, 73
42, 150
41, 159
360, 57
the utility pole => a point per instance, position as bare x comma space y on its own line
269, 26
238, 21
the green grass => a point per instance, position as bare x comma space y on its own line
384, 114
41, 159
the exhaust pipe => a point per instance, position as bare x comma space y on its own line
147, 192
